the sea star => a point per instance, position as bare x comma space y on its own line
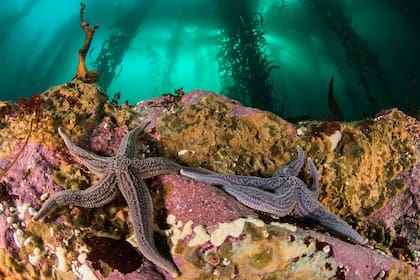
124, 173
281, 195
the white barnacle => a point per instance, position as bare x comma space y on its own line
82, 258
61, 256
301, 130
35, 258
86, 272
326, 249
32, 211
334, 139
171, 219
22, 210
226, 261
44, 196
19, 238
182, 152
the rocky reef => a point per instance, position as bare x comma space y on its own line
369, 176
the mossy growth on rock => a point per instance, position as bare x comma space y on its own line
75, 106
211, 135
359, 176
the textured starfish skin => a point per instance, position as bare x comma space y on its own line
125, 174
281, 195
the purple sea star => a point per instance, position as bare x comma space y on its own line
281, 195
121, 173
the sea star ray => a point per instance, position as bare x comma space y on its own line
294, 167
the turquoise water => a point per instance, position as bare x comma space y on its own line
153, 47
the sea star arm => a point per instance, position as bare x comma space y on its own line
312, 210
96, 196
128, 143
279, 204
155, 166
280, 178
140, 208
293, 168
235, 180
314, 186
95, 163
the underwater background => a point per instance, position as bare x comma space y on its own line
318, 59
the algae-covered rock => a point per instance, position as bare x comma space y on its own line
369, 176
255, 250
363, 165
209, 130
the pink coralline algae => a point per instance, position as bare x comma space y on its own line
356, 262
29, 177
203, 205
105, 137
146, 272
400, 214
21, 189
